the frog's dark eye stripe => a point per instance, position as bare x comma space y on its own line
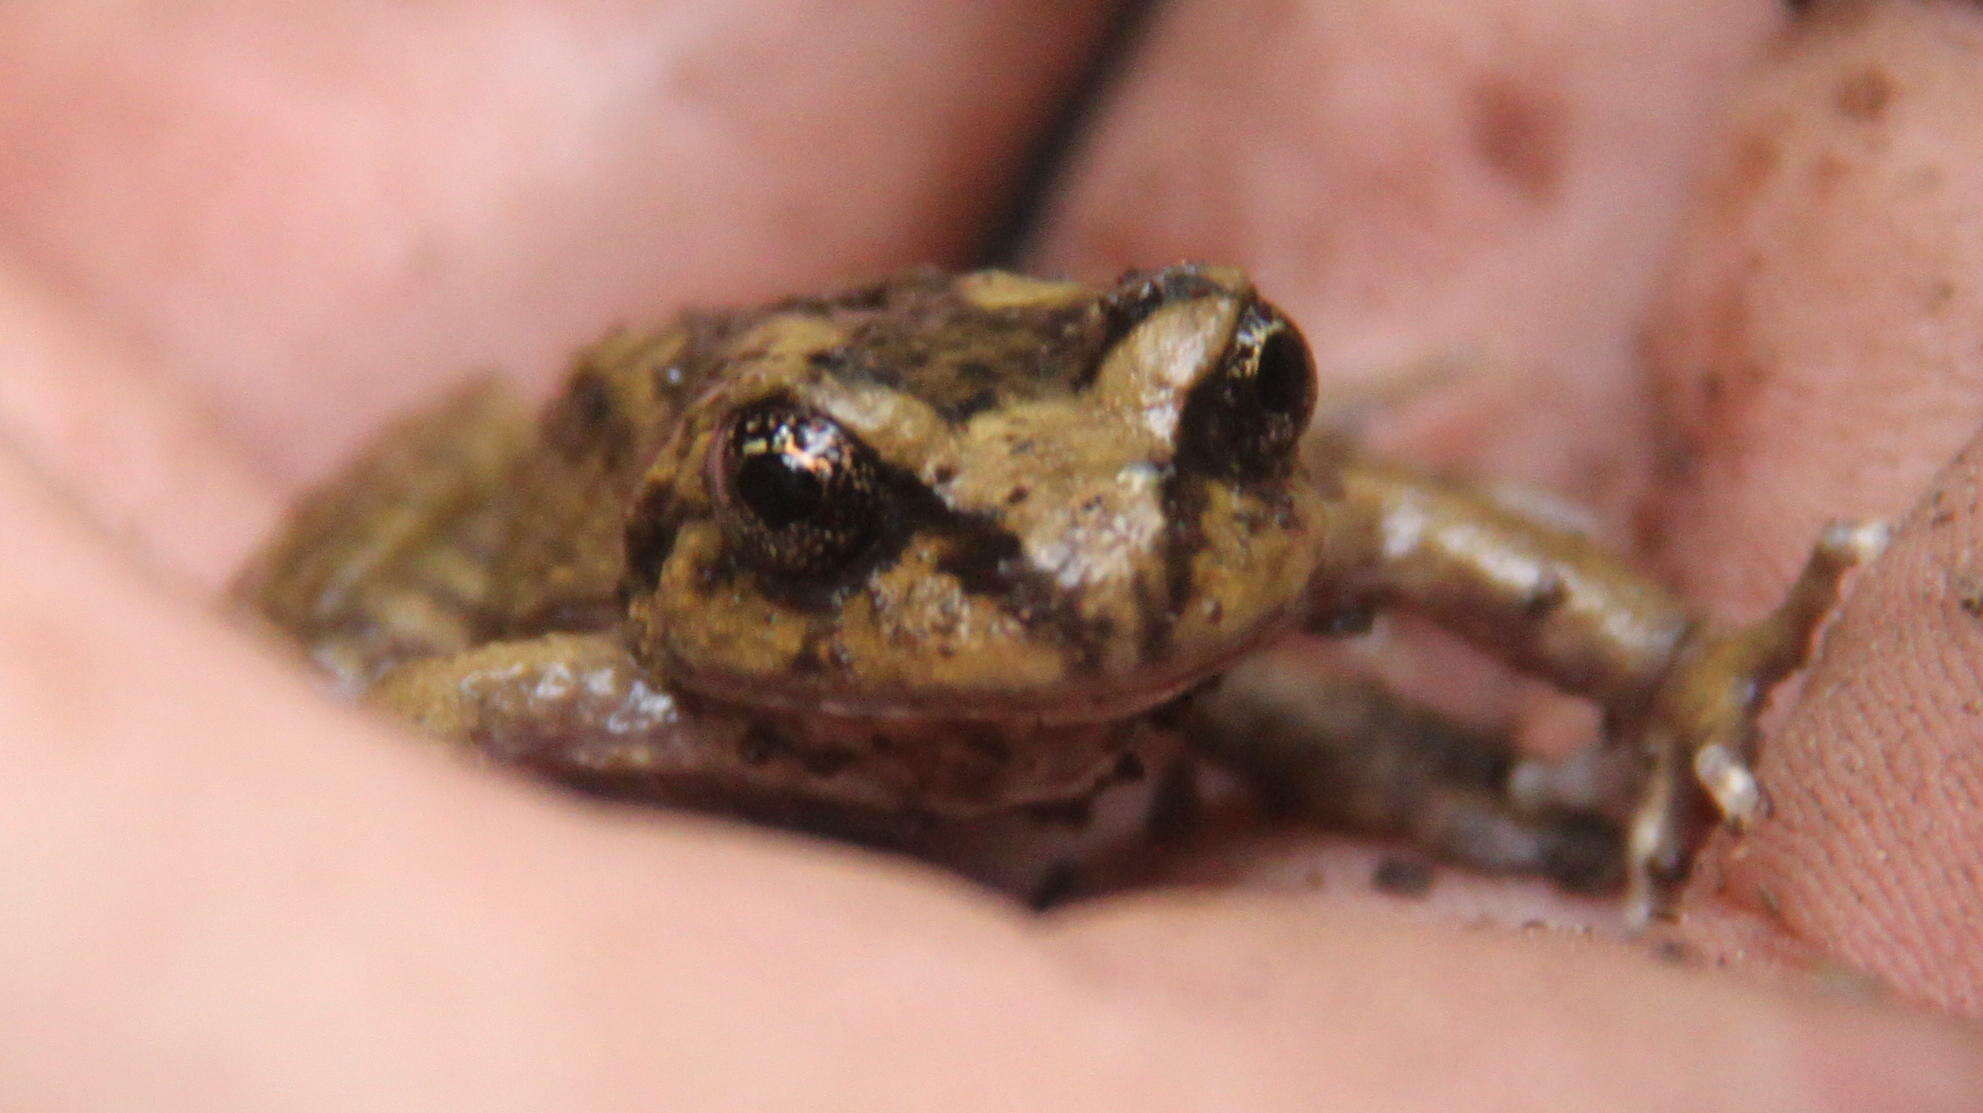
1245, 419
803, 496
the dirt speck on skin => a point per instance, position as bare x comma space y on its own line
1939, 514
1827, 171
1967, 589
1751, 167
1835, 17
1771, 905
1732, 376
1672, 951
1864, 96
1402, 877
1519, 134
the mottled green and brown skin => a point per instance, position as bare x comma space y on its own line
938, 547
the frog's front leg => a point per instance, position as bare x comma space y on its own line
579, 708
1549, 602
1541, 598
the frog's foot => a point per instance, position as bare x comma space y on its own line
1581, 852
1701, 730
1354, 756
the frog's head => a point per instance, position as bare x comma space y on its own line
983, 498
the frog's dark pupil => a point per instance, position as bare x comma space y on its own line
779, 489
804, 494
1284, 378
1245, 420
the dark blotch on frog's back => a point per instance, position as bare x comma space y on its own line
1138, 294
589, 427
916, 335
579, 418
650, 539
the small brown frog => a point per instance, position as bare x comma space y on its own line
951, 546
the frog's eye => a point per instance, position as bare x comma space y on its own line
804, 496
1245, 419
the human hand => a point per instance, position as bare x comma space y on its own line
240, 239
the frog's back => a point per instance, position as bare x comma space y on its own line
475, 519
391, 560
559, 565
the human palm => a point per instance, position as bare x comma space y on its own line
237, 239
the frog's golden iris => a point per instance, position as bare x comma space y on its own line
801, 496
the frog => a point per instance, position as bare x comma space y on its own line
945, 547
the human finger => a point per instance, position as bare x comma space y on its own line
223, 893
308, 218
1815, 353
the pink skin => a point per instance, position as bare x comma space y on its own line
1853, 167
230, 242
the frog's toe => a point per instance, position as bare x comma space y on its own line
1661, 835
1851, 543
1655, 862
1731, 784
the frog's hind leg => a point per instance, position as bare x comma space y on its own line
1701, 728
1355, 756
391, 560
